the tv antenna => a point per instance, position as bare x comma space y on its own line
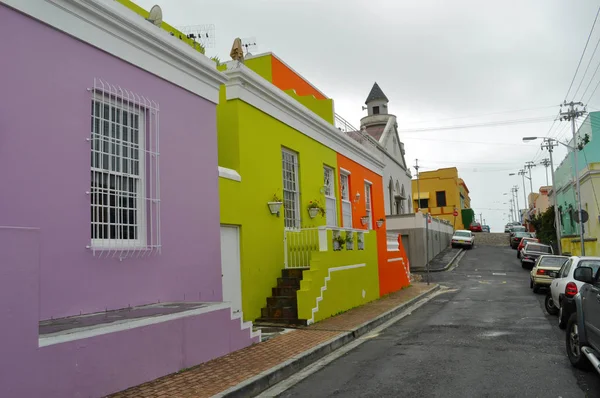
249, 44
155, 16
202, 34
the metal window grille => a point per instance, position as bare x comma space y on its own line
330, 200
346, 204
368, 205
125, 183
291, 190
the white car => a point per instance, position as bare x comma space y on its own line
564, 287
463, 238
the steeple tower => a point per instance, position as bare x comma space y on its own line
377, 102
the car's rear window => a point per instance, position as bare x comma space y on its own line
553, 261
519, 229
532, 247
522, 234
463, 233
593, 264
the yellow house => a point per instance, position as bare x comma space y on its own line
442, 193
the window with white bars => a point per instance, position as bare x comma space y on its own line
368, 210
291, 189
346, 203
330, 200
125, 184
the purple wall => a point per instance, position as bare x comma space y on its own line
45, 172
99, 365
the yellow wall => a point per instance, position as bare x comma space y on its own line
322, 107
250, 142
572, 245
440, 180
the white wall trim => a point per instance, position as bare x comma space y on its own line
246, 85
117, 30
368, 182
344, 171
391, 260
324, 287
229, 174
119, 326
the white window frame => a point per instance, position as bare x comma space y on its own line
329, 187
345, 194
140, 226
295, 206
368, 204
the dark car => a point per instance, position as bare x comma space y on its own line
583, 327
532, 251
515, 238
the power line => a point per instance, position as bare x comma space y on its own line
586, 69
582, 54
483, 114
486, 124
462, 142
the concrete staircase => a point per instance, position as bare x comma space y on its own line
282, 306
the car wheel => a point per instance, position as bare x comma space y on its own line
518, 254
549, 304
523, 265
536, 288
530, 283
574, 353
562, 319
454, 246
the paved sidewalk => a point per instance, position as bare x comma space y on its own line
441, 261
223, 373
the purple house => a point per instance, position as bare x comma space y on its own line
110, 263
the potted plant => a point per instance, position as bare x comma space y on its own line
338, 242
275, 204
361, 242
349, 240
314, 208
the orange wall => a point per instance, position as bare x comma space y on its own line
397, 267
390, 273
286, 79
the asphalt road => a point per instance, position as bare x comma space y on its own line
489, 336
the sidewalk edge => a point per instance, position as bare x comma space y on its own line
270, 377
420, 269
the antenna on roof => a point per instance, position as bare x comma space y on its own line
202, 34
155, 16
249, 44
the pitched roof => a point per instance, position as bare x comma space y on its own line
376, 94
375, 131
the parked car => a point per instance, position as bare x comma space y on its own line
532, 251
463, 238
475, 227
515, 238
564, 287
485, 228
583, 327
507, 228
522, 244
543, 269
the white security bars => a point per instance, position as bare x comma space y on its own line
368, 205
346, 204
125, 183
330, 200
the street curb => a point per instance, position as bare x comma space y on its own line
450, 263
270, 377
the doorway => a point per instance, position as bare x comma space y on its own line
231, 267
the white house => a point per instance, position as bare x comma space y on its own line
383, 128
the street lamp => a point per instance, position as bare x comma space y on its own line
550, 143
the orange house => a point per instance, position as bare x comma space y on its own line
366, 201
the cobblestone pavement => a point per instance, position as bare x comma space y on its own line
491, 239
218, 375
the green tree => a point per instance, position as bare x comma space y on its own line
544, 227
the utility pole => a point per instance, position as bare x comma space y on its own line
522, 174
426, 220
529, 165
549, 144
572, 113
546, 163
515, 190
481, 218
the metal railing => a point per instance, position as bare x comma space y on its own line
299, 244
357, 135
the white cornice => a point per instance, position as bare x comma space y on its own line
113, 28
246, 85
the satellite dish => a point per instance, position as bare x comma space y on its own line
155, 16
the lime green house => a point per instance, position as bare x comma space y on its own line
288, 252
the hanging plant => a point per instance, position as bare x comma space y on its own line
315, 208
338, 242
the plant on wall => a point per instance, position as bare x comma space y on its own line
338, 242
314, 208
349, 240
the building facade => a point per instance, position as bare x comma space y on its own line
305, 198
382, 127
443, 194
109, 240
564, 177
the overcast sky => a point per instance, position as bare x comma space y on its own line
441, 63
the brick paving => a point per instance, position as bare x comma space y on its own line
215, 376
